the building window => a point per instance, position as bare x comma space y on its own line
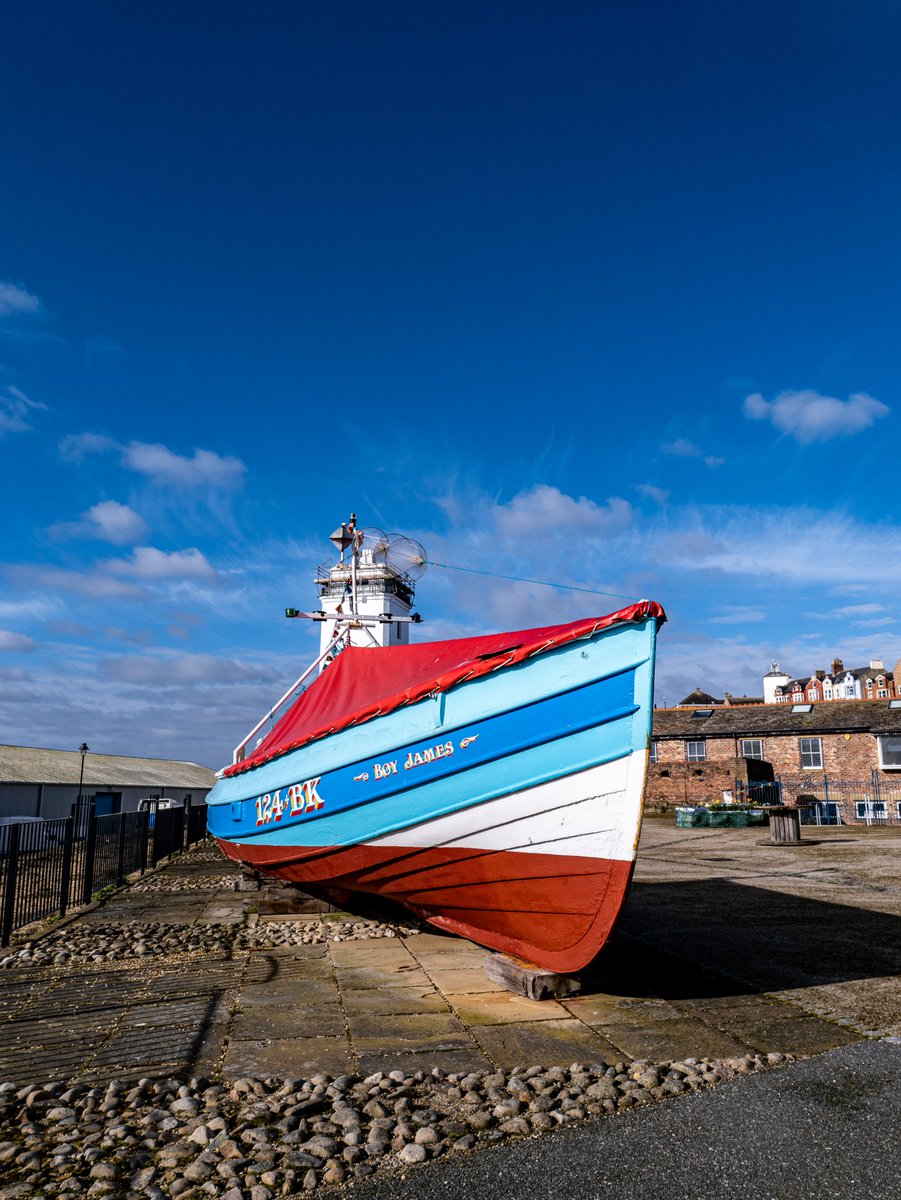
889, 753
811, 693
870, 810
652, 753
696, 751
827, 692
811, 753
849, 690
881, 693
752, 748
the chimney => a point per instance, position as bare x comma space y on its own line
837, 667
876, 664
820, 674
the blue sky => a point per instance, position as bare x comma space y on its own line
594, 293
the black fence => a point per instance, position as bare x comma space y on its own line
828, 801
48, 867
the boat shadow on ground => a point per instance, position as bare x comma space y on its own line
716, 937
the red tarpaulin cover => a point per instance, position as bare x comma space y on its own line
363, 683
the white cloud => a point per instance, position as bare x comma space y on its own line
15, 300
107, 521
186, 669
15, 641
148, 563
857, 610
809, 417
30, 608
75, 447
681, 448
15, 407
739, 616
158, 464
58, 581
545, 508
658, 494
205, 468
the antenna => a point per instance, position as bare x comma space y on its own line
407, 556
376, 542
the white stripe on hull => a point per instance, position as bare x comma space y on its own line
593, 813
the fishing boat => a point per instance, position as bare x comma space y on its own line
493, 784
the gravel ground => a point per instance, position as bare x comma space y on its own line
117, 942
291, 933
163, 882
257, 1139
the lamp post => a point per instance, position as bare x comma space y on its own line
82, 750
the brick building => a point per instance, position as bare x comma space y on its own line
697, 754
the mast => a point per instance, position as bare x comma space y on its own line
367, 595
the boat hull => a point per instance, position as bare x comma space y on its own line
506, 810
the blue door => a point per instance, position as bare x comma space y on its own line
106, 803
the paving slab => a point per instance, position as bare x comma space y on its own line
460, 980
288, 1020
368, 1028
394, 1002
664, 1041
554, 1042
599, 1009
503, 1008
318, 992
358, 978
295, 1057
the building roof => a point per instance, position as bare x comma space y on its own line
29, 764
698, 697
834, 716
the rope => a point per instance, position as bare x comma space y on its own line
540, 582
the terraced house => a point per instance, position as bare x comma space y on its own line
872, 682
842, 758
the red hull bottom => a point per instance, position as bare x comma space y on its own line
556, 911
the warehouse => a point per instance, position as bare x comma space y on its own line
46, 783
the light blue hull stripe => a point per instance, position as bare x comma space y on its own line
517, 750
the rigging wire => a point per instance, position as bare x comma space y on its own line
569, 587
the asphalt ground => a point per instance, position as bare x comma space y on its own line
828, 1128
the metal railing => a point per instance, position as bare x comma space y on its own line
48, 867
829, 801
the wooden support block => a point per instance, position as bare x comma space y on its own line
525, 979
291, 905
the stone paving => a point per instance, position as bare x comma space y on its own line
726, 947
